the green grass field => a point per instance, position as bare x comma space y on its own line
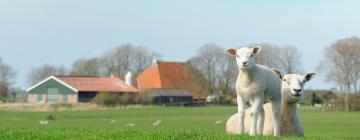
177, 123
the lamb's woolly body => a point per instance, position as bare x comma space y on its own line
259, 82
290, 122
256, 83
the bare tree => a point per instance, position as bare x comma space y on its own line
86, 67
216, 67
127, 58
341, 65
270, 55
4, 89
7, 75
227, 75
290, 60
287, 59
40, 73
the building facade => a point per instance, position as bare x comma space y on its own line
76, 89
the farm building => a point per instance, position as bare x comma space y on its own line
173, 78
170, 96
76, 89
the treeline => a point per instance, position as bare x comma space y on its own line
217, 71
116, 62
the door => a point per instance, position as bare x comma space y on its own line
52, 94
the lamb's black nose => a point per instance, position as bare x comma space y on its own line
244, 63
297, 90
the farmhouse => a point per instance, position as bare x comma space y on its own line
65, 89
171, 81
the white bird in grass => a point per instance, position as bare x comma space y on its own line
113, 121
218, 122
45, 122
157, 123
130, 125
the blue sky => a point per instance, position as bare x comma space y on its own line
35, 32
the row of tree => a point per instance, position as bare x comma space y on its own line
116, 62
217, 70
340, 64
213, 64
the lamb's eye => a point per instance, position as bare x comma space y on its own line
237, 55
251, 55
302, 83
287, 82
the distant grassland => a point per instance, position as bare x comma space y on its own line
177, 123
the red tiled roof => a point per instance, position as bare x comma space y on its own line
98, 84
171, 75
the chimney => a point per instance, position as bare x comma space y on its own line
128, 78
154, 62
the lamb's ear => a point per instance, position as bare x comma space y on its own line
256, 50
278, 72
309, 76
231, 51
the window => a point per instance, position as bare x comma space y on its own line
52, 94
65, 98
39, 97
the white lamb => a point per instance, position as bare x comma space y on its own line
292, 94
256, 83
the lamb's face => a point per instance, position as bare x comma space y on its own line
245, 56
293, 86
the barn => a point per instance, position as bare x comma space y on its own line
75, 89
171, 80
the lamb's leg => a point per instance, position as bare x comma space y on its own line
260, 123
241, 111
276, 107
255, 109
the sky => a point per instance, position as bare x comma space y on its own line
36, 32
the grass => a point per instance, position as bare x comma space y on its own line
177, 123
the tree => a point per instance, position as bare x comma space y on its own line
341, 65
269, 55
86, 67
40, 73
127, 58
216, 66
227, 75
290, 60
7, 75
286, 59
